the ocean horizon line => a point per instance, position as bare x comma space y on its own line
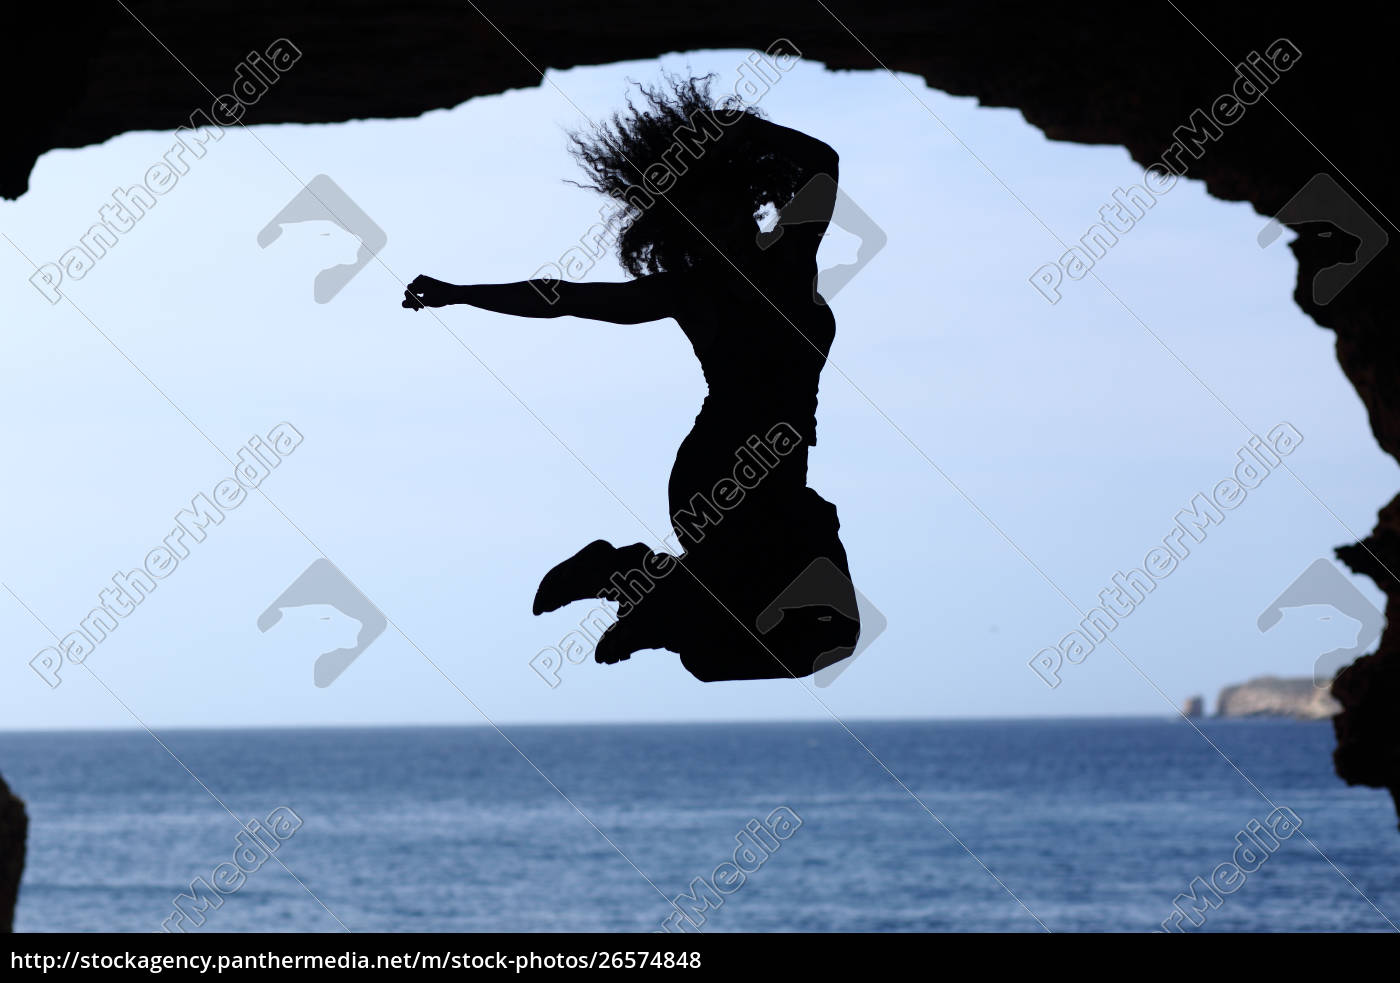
601, 724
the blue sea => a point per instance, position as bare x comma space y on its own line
1088, 825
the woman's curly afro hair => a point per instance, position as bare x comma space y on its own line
713, 174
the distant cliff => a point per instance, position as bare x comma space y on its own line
1270, 696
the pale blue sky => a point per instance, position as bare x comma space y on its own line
426, 482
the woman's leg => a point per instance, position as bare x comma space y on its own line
586, 574
651, 590
628, 575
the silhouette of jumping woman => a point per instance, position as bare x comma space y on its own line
763, 588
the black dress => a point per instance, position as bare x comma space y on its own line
738, 605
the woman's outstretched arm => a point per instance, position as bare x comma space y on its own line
648, 298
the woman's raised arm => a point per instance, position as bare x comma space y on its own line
810, 210
811, 155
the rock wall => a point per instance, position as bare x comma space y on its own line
1092, 73
14, 829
